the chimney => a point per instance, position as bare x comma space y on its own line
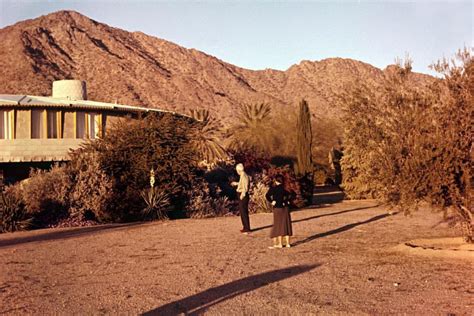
70, 90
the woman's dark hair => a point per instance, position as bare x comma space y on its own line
279, 178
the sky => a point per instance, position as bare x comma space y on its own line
278, 34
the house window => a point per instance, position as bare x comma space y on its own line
37, 123
80, 125
52, 123
6, 124
94, 125
3, 124
88, 125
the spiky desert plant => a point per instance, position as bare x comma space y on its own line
157, 202
253, 129
208, 140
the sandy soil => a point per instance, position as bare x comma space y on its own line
344, 261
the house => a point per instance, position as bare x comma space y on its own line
38, 131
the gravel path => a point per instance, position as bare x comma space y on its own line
343, 262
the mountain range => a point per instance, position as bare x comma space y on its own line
138, 69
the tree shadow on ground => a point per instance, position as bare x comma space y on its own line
319, 216
342, 229
64, 234
199, 303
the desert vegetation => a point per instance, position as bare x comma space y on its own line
156, 167
408, 145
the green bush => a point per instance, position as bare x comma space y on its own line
92, 190
258, 202
45, 195
13, 215
202, 203
133, 147
157, 203
407, 144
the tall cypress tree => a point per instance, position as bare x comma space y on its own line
304, 140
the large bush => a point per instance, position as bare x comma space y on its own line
92, 190
162, 142
13, 215
206, 201
406, 144
45, 195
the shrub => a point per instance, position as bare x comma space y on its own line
202, 203
253, 161
92, 191
292, 184
13, 215
45, 195
258, 202
408, 144
131, 148
321, 175
157, 202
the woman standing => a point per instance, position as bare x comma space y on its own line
280, 199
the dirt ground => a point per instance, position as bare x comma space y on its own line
344, 260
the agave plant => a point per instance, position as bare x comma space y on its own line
208, 140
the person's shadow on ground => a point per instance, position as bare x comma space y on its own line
200, 302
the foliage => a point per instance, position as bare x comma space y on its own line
13, 215
45, 195
291, 183
304, 141
454, 131
327, 134
407, 144
208, 141
92, 190
253, 161
258, 202
131, 148
254, 130
304, 165
203, 202
335, 155
157, 202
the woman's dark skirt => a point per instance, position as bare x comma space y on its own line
281, 223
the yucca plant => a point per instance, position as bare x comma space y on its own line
157, 202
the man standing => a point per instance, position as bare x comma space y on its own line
243, 187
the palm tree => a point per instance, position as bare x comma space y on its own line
209, 137
253, 129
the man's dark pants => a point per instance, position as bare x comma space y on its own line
244, 212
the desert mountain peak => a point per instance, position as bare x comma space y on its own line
138, 69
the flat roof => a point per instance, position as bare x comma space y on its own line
13, 100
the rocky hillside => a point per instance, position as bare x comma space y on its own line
137, 69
